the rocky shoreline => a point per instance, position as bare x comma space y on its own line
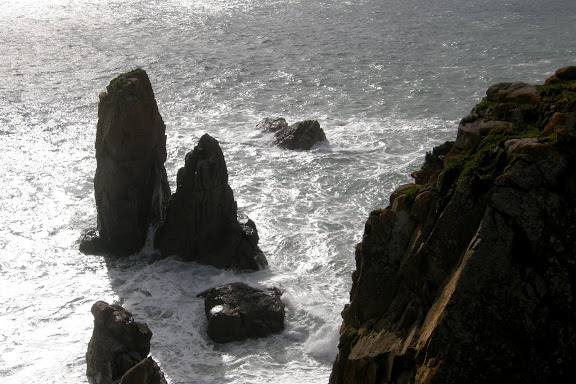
469, 274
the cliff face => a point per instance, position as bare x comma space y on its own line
470, 274
130, 185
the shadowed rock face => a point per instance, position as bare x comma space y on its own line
145, 372
302, 135
118, 343
469, 275
202, 222
130, 184
237, 311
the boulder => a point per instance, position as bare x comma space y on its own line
468, 275
145, 372
237, 311
563, 74
92, 244
301, 135
516, 92
130, 185
202, 222
118, 343
272, 124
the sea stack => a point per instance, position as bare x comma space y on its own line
202, 222
118, 343
469, 276
130, 184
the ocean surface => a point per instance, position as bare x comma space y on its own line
386, 79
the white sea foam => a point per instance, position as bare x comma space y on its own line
386, 80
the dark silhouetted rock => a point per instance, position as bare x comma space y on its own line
118, 343
145, 372
237, 311
301, 135
271, 124
469, 276
130, 184
202, 222
92, 244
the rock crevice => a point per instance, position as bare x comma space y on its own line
468, 275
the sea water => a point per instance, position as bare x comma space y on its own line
386, 79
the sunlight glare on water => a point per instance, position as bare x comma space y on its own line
386, 80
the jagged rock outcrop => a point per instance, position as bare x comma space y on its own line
469, 276
237, 311
145, 372
202, 222
130, 184
302, 135
272, 124
118, 343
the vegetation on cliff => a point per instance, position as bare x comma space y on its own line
469, 275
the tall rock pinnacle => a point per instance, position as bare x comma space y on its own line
202, 222
130, 184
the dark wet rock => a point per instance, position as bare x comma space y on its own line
301, 135
92, 244
469, 274
145, 372
202, 222
130, 184
118, 343
272, 124
237, 311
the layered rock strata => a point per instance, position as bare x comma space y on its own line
130, 184
118, 344
202, 221
302, 135
237, 311
469, 275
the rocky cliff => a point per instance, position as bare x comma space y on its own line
130, 184
469, 275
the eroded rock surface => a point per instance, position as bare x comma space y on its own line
469, 275
118, 343
202, 222
302, 135
145, 372
130, 184
237, 311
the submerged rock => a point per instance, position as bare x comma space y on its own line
130, 184
118, 343
202, 222
302, 135
272, 124
237, 311
468, 275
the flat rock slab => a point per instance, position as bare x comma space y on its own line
237, 311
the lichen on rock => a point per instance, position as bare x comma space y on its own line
469, 275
